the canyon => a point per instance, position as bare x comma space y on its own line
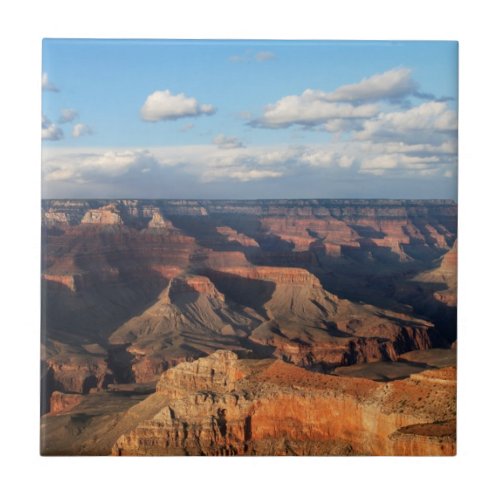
223, 327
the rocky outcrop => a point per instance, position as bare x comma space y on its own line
277, 275
60, 402
233, 236
218, 372
107, 215
158, 221
51, 217
166, 281
63, 212
67, 280
190, 319
77, 374
199, 284
224, 406
311, 327
445, 276
304, 231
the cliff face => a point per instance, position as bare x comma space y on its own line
70, 369
107, 215
220, 405
60, 402
153, 283
233, 236
444, 274
311, 327
190, 319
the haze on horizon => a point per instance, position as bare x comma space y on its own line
249, 120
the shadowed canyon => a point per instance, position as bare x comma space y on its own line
269, 327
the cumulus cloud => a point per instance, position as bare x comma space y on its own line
325, 157
343, 125
346, 108
254, 171
163, 105
50, 131
67, 115
203, 164
446, 148
393, 84
345, 161
342, 109
102, 166
80, 129
377, 165
47, 84
310, 109
232, 165
430, 123
318, 158
239, 173
226, 142
276, 156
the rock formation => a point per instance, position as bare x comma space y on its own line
233, 236
119, 258
131, 288
104, 215
60, 402
189, 319
445, 274
220, 405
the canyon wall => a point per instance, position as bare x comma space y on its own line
318, 283
220, 405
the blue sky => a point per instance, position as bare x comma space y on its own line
191, 119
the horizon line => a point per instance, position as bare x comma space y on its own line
247, 199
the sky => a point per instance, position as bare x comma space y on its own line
248, 119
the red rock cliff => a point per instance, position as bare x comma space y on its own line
223, 406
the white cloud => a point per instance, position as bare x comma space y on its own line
116, 162
393, 84
226, 142
241, 174
318, 158
309, 109
203, 164
163, 105
80, 129
345, 161
50, 131
447, 148
379, 164
83, 167
308, 168
343, 125
326, 157
47, 84
67, 115
276, 156
430, 123
345, 108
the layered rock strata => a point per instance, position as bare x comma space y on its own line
152, 283
220, 405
